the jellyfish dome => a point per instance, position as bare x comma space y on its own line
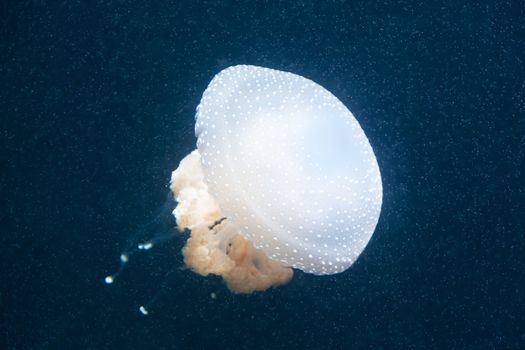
286, 163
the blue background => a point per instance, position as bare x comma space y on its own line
97, 103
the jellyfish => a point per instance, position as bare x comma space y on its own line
283, 178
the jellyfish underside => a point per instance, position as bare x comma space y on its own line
283, 177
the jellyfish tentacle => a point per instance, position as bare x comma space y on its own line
158, 230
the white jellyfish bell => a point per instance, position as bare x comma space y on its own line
283, 177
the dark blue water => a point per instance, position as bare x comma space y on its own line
97, 103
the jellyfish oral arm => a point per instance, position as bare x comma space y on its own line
215, 245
